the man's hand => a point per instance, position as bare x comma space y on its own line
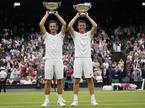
47, 12
86, 14
63, 27
56, 13
94, 25
51, 12
78, 14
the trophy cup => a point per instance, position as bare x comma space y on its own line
51, 6
82, 8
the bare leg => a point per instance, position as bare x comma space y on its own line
59, 86
60, 90
76, 85
91, 89
90, 85
4, 85
47, 92
47, 87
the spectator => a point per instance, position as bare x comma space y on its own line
129, 67
105, 74
98, 75
3, 79
116, 73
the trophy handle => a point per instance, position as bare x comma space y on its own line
44, 3
74, 6
90, 6
59, 3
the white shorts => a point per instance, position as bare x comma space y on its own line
83, 66
54, 69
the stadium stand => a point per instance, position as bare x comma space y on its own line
119, 43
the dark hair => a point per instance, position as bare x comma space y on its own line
53, 21
81, 21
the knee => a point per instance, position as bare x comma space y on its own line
76, 81
59, 82
48, 82
90, 80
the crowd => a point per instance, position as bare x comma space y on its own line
22, 55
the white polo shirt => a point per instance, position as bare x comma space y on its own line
53, 45
82, 44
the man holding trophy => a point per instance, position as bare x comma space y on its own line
82, 42
53, 51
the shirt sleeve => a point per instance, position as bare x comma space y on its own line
90, 34
60, 34
44, 36
75, 34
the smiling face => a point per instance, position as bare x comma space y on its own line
53, 27
82, 26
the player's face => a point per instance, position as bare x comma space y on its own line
53, 27
82, 27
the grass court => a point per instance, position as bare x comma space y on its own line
106, 99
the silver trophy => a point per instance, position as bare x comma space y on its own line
82, 8
51, 6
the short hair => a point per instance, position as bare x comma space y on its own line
53, 21
81, 21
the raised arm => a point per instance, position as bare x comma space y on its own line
94, 25
63, 27
42, 23
70, 25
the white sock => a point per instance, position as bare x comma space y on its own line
75, 97
92, 97
46, 97
59, 96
